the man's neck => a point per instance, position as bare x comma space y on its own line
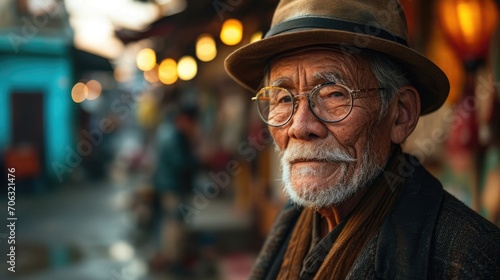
332, 216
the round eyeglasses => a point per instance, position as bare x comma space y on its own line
329, 102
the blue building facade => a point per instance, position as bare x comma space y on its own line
36, 76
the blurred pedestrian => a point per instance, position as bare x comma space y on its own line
173, 182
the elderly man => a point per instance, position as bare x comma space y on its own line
341, 91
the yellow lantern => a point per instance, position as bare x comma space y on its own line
167, 72
146, 59
232, 32
187, 68
205, 48
468, 25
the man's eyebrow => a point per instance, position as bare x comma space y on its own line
279, 82
322, 77
329, 77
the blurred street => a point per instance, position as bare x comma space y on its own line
89, 231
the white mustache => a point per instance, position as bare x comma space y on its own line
300, 152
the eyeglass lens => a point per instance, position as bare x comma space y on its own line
330, 103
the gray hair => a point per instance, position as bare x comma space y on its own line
389, 75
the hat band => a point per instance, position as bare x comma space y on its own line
334, 24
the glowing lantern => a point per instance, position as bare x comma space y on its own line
187, 68
146, 59
232, 32
468, 25
205, 48
167, 72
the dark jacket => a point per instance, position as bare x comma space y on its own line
176, 164
428, 235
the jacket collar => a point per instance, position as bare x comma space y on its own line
404, 241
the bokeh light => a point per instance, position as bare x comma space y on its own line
167, 72
152, 75
256, 36
121, 251
94, 89
146, 59
79, 92
206, 49
187, 68
232, 32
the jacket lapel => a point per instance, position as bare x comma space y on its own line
273, 250
405, 238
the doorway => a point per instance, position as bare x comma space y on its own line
27, 133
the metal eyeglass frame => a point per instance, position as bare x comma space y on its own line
352, 93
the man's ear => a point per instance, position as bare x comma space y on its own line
407, 114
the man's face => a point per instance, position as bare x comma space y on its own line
326, 163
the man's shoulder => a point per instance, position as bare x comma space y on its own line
455, 216
456, 224
452, 214
464, 243
458, 227
462, 228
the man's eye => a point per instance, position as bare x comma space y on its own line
285, 99
333, 94
337, 94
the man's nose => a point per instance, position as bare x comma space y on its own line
304, 124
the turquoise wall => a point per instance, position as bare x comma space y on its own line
50, 75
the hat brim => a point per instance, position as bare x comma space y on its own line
246, 65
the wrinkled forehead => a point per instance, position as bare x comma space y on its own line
323, 63
312, 49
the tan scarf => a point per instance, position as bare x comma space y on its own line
364, 221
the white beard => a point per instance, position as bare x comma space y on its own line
316, 194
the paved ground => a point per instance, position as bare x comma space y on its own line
87, 232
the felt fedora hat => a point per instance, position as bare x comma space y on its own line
364, 24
